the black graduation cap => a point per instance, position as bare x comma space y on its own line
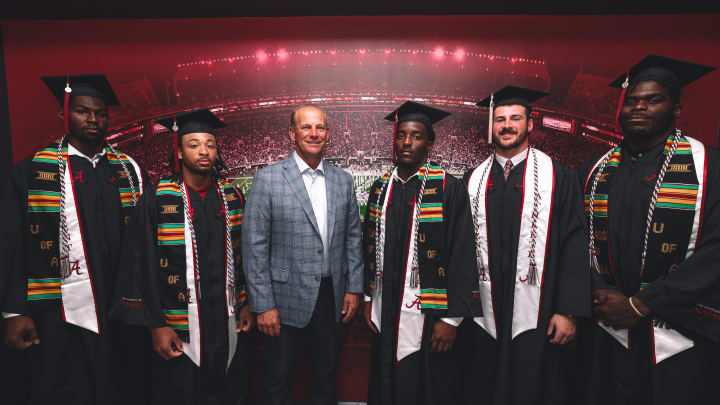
416, 112
508, 93
512, 92
196, 121
93, 85
677, 73
202, 120
674, 73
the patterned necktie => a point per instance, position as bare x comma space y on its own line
508, 167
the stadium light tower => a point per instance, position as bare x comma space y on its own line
459, 54
282, 54
261, 56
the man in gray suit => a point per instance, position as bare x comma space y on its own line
302, 256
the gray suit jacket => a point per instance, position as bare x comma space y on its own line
281, 245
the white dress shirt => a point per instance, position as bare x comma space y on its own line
74, 152
315, 185
516, 160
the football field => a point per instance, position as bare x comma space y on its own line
362, 181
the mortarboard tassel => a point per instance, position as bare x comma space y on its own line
394, 137
490, 117
66, 106
625, 85
175, 144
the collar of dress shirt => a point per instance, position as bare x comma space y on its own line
396, 177
516, 160
304, 166
94, 160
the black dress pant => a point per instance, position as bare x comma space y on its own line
325, 345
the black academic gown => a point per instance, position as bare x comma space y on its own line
180, 381
620, 376
423, 377
528, 369
72, 364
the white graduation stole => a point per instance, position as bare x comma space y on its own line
666, 341
526, 302
78, 294
79, 306
411, 320
193, 349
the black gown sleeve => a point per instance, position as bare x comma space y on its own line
573, 294
699, 275
463, 283
13, 272
137, 294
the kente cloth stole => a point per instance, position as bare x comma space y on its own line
178, 257
536, 212
673, 233
427, 238
53, 279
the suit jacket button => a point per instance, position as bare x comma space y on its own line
317, 278
319, 251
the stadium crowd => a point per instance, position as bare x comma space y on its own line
360, 142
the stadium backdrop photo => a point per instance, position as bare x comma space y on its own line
252, 72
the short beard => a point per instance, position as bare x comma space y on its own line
636, 134
99, 140
513, 145
648, 134
201, 172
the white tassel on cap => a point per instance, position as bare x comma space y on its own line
490, 117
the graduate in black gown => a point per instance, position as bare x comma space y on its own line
415, 324
657, 337
58, 290
184, 276
517, 352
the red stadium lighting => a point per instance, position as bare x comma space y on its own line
459, 54
362, 52
333, 52
305, 53
387, 52
282, 54
261, 56
438, 52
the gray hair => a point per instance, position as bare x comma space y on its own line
302, 106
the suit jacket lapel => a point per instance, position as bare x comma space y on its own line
297, 185
331, 193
